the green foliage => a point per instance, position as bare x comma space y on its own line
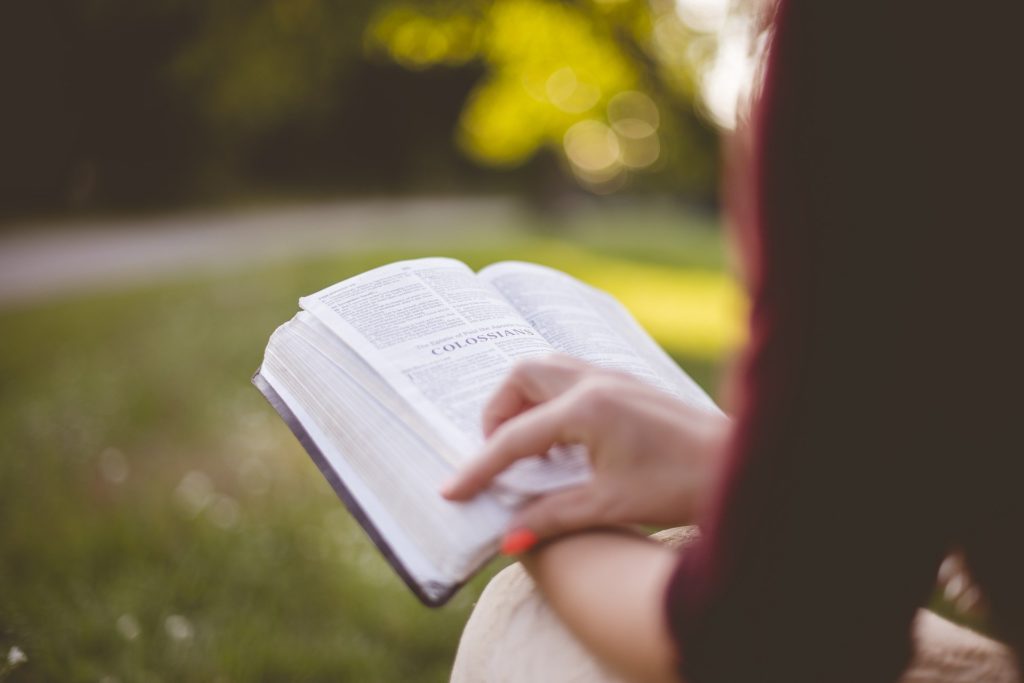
254, 64
554, 72
121, 103
548, 68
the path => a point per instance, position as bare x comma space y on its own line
40, 261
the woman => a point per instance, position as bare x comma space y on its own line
876, 428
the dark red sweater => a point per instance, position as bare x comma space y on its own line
881, 418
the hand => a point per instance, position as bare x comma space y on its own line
652, 456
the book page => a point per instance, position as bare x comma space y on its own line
385, 465
443, 339
585, 322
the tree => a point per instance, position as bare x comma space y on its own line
609, 85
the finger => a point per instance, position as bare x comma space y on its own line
561, 512
529, 383
530, 433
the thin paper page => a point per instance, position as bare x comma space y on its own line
681, 384
307, 326
353, 430
589, 324
439, 335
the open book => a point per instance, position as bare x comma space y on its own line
383, 378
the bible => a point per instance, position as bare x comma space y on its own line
383, 377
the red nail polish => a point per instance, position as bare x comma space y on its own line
518, 541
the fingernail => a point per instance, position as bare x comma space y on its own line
447, 487
518, 541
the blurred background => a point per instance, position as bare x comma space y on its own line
174, 174
117, 106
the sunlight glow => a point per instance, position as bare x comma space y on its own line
725, 58
570, 94
706, 16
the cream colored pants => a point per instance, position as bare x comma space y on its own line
514, 637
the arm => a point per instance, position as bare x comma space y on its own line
608, 588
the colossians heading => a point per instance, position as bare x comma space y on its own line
466, 342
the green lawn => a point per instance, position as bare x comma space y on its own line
160, 523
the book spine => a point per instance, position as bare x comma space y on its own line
431, 593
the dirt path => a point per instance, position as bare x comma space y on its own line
39, 261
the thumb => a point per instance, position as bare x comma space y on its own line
551, 515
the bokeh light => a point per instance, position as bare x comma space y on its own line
706, 16
553, 72
593, 150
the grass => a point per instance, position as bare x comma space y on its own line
160, 523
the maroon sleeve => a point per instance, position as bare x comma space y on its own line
882, 347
